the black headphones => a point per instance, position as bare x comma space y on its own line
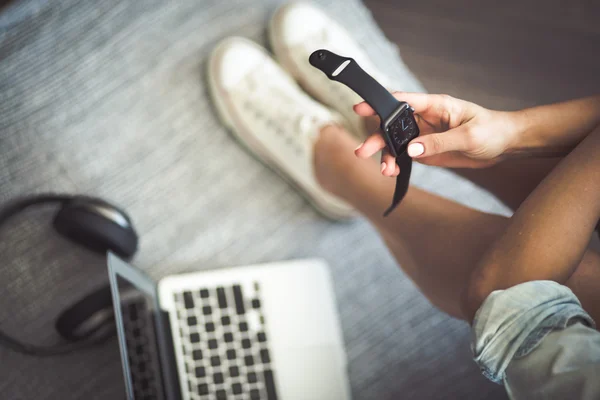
98, 226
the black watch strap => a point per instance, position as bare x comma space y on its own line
347, 71
402, 181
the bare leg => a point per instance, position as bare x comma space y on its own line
511, 181
436, 241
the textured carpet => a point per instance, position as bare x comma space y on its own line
108, 98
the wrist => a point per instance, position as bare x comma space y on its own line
529, 139
520, 138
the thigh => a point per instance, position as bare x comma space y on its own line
513, 180
439, 243
585, 283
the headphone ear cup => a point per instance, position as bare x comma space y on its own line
93, 315
95, 231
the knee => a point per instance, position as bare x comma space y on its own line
479, 286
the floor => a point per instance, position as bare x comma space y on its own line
504, 55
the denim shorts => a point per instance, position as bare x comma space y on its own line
512, 322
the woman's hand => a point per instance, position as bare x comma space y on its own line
454, 133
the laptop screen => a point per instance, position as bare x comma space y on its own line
137, 319
143, 364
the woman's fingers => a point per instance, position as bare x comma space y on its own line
388, 164
458, 139
372, 145
455, 160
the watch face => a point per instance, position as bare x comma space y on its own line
402, 130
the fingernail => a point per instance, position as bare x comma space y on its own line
383, 165
358, 147
416, 149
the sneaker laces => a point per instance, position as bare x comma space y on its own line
282, 108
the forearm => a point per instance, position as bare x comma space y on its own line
554, 130
549, 233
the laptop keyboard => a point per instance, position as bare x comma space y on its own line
224, 343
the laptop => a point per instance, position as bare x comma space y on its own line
268, 331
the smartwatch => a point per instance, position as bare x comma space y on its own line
398, 124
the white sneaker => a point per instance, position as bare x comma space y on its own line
268, 112
296, 30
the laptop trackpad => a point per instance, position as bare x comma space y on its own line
312, 373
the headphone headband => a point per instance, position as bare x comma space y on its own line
19, 204
98, 226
